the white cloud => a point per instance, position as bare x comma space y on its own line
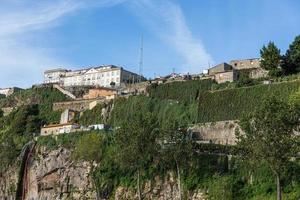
21, 64
167, 21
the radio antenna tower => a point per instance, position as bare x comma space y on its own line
141, 63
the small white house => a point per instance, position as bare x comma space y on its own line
97, 126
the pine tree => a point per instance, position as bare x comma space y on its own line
291, 64
271, 58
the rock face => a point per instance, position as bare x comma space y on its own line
158, 189
8, 183
51, 174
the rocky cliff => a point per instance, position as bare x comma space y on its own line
51, 174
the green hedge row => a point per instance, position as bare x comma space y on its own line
163, 109
231, 104
185, 92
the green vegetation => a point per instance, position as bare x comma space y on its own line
291, 60
184, 92
151, 138
93, 116
136, 144
215, 174
270, 59
232, 104
163, 109
269, 139
177, 149
34, 110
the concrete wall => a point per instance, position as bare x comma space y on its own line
258, 73
222, 132
219, 68
224, 77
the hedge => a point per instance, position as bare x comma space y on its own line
183, 91
232, 104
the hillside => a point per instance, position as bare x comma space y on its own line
60, 164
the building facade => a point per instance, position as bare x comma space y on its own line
225, 72
100, 92
9, 91
223, 67
245, 63
105, 76
57, 129
227, 76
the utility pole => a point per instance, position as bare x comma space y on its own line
141, 63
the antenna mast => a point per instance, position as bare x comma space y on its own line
141, 63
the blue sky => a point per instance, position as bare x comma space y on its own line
187, 35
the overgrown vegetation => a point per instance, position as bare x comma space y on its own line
34, 110
93, 116
163, 109
184, 92
232, 104
151, 138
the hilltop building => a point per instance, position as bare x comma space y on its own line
9, 91
225, 72
253, 63
104, 76
223, 67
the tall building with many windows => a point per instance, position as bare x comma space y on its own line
105, 76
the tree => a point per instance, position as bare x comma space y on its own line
176, 147
89, 148
136, 142
269, 137
270, 58
291, 61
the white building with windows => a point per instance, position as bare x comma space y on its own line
104, 76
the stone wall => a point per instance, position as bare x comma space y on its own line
224, 77
258, 73
222, 132
100, 92
76, 105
